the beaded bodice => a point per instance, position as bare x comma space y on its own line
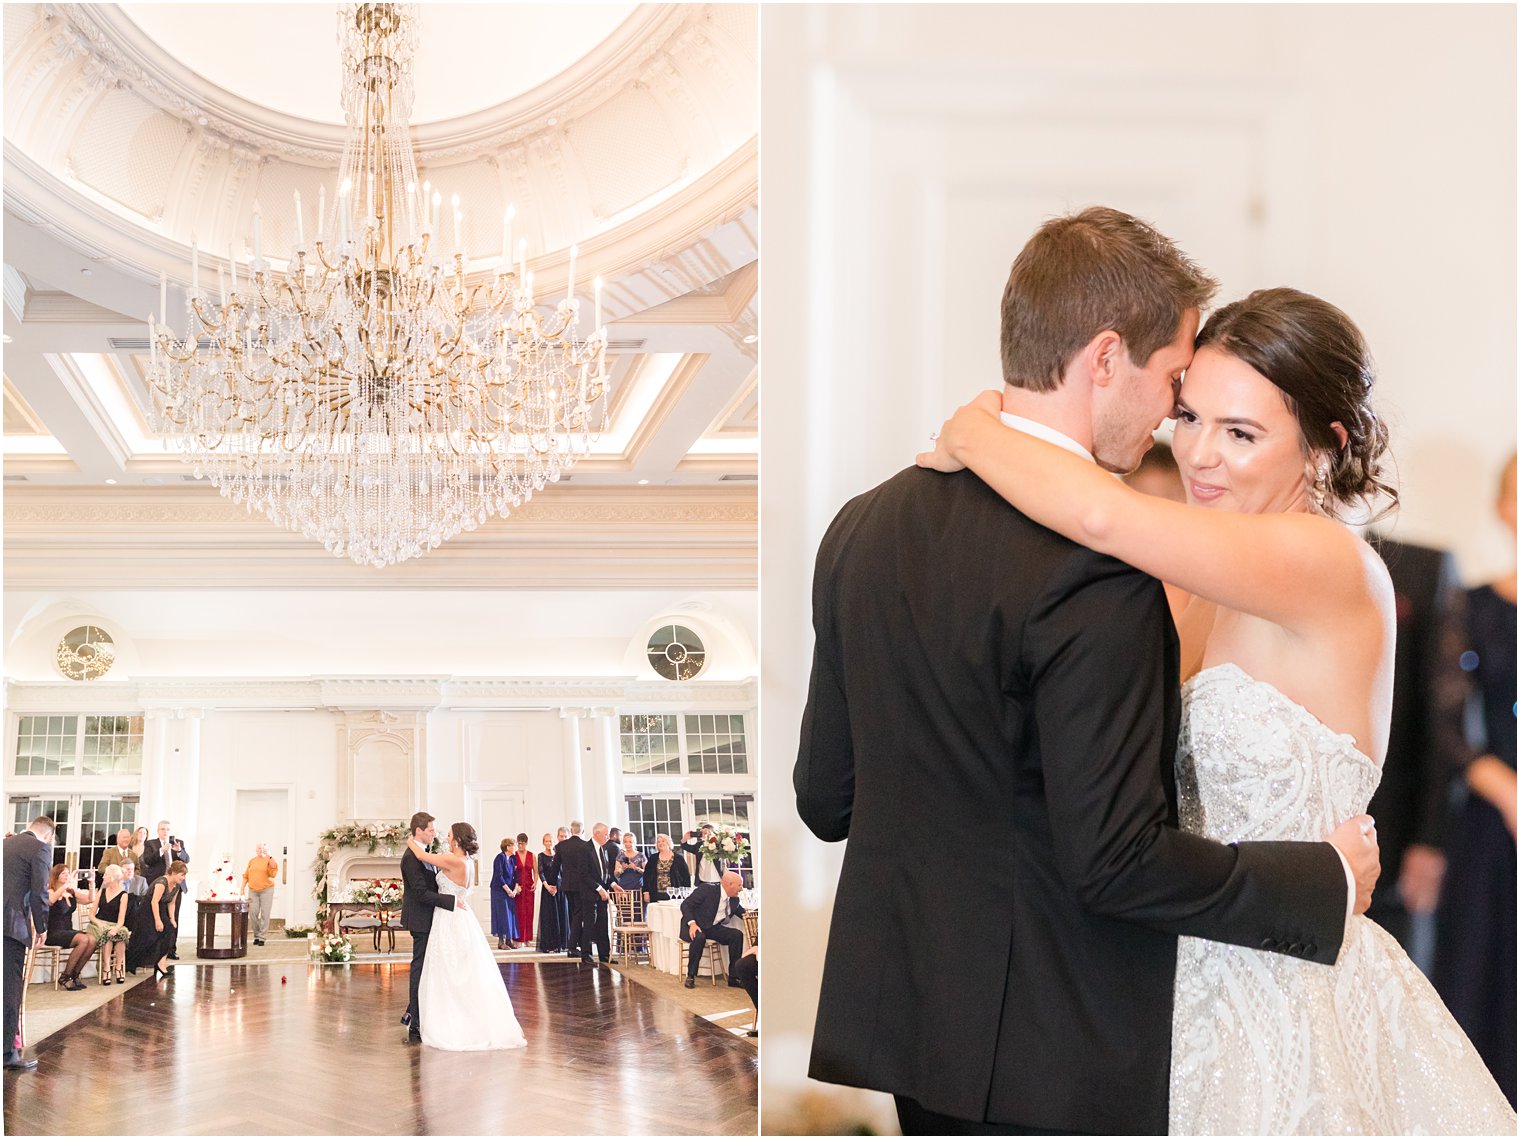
1253, 764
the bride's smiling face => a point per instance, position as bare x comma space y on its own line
1237, 445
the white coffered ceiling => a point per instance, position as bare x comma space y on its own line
133, 130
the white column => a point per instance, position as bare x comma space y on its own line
609, 765
575, 790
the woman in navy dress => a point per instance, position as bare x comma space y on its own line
1474, 967
503, 896
551, 934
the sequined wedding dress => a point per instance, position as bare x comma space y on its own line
461, 1001
1265, 1044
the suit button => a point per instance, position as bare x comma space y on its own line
1297, 949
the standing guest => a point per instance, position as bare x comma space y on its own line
692, 843
109, 925
1425, 741
560, 836
504, 895
28, 857
156, 924
664, 870
157, 854
139, 842
118, 854
551, 931
606, 864
63, 899
578, 874
630, 866
527, 880
615, 837
712, 912
258, 883
1475, 925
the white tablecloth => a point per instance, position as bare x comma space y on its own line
664, 920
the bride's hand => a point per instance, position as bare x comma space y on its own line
948, 440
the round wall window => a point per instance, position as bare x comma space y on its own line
86, 653
676, 653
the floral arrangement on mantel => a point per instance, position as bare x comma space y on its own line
724, 845
300, 930
336, 948
391, 836
379, 891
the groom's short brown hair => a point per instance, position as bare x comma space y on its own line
1087, 273
420, 821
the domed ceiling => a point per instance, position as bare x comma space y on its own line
132, 131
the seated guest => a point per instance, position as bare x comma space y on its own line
63, 899
109, 925
155, 926
133, 883
664, 870
712, 912
630, 866
121, 852
746, 974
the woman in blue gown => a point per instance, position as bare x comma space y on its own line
503, 893
1474, 967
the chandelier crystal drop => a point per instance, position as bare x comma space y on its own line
368, 393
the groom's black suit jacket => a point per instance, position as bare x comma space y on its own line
974, 669
420, 894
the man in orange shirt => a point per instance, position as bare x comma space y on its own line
258, 881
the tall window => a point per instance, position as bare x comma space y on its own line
715, 745
696, 744
23, 811
649, 815
79, 745
650, 745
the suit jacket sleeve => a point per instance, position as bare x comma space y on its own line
824, 777
419, 883
1100, 657
42, 866
698, 907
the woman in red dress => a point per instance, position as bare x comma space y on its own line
526, 879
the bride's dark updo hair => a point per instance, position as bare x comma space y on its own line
1316, 357
464, 835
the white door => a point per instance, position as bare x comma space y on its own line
498, 813
264, 816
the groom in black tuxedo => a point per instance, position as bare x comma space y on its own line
970, 663
419, 898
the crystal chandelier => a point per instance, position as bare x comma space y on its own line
369, 394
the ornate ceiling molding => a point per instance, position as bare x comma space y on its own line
569, 695
660, 103
698, 537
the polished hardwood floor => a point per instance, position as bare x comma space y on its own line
232, 1050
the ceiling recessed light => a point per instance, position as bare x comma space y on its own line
553, 122
643, 482
751, 338
153, 482
87, 272
110, 482
201, 120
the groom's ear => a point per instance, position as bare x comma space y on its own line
1100, 357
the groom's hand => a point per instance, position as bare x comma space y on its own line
1356, 839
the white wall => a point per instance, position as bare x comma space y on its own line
1365, 153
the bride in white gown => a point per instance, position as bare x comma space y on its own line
1287, 640
462, 1003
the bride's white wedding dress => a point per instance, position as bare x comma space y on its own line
461, 1001
1266, 1044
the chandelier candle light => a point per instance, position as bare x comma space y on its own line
368, 394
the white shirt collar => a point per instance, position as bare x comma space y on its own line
1047, 433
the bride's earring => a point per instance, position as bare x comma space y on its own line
1319, 489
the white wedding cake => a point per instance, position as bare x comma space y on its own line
223, 884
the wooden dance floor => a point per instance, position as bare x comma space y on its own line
233, 1051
